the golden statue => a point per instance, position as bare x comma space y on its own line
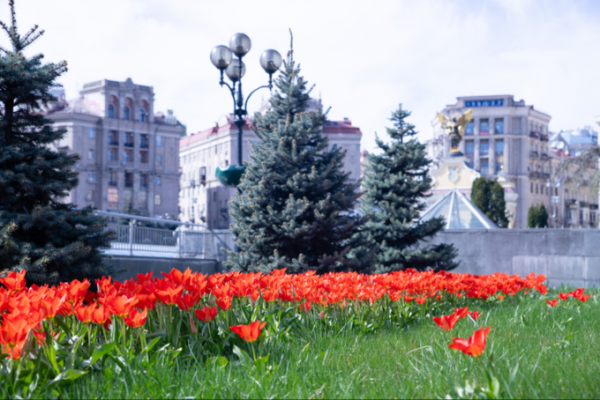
455, 128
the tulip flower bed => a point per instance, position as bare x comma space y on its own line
230, 326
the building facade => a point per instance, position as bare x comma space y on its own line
203, 199
575, 199
506, 138
129, 155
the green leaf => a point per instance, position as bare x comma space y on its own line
245, 359
100, 351
217, 362
68, 375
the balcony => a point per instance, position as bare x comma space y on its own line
544, 138
544, 156
533, 154
128, 144
113, 142
593, 206
570, 202
534, 134
534, 175
584, 204
544, 175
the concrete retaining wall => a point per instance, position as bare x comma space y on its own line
131, 266
565, 256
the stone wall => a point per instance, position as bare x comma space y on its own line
565, 256
128, 267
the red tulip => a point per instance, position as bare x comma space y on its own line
421, 300
13, 332
120, 305
83, 313
584, 297
447, 322
408, 299
474, 346
224, 303
14, 281
462, 312
250, 332
206, 314
135, 319
169, 296
475, 314
564, 296
305, 307
552, 303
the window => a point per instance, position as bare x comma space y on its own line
531, 189
128, 139
470, 128
499, 147
484, 148
469, 147
91, 177
157, 181
159, 141
126, 113
143, 199
111, 111
112, 178
202, 174
484, 167
143, 157
91, 154
142, 115
112, 155
499, 167
129, 179
92, 133
499, 126
90, 196
484, 127
127, 156
113, 138
144, 179
157, 200
536, 188
113, 197
159, 161
144, 141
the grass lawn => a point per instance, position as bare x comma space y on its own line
532, 352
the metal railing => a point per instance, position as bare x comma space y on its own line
187, 241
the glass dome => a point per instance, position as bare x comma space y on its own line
459, 213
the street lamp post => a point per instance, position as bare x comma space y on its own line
222, 57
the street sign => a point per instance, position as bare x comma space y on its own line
554, 199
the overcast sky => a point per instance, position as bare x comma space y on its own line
365, 57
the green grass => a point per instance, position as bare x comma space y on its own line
537, 353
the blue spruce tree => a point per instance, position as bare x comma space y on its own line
52, 241
396, 181
295, 206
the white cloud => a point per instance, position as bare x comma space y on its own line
364, 57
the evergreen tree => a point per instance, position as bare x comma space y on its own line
396, 182
488, 196
295, 206
532, 216
52, 241
542, 220
537, 217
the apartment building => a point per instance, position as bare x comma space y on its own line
129, 154
574, 200
203, 199
505, 138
